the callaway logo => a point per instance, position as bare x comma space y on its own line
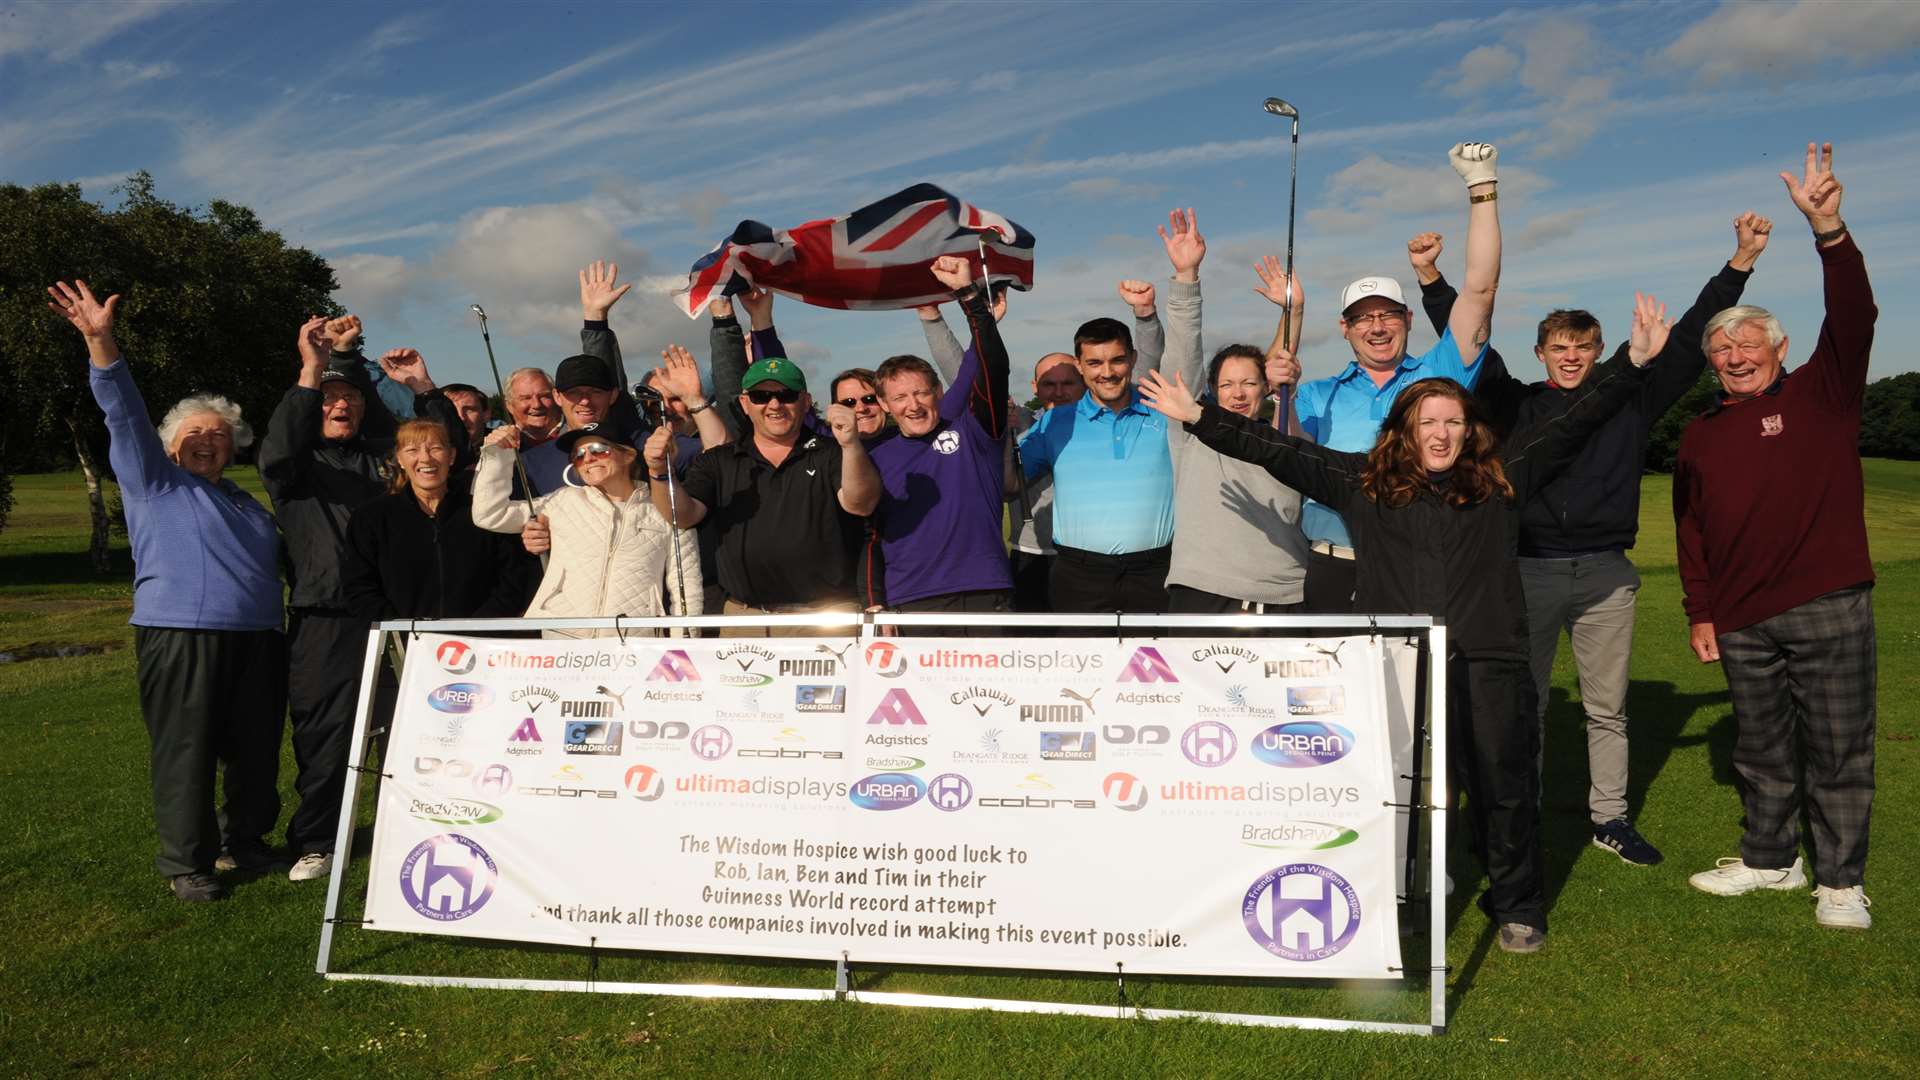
1087, 700
809, 472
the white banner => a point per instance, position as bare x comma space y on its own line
1176, 805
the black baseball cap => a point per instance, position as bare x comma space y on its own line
352, 376
603, 432
583, 370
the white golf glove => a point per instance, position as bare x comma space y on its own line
1474, 162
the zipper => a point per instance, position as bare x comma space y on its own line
606, 564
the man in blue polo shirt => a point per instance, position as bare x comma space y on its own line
1112, 483
1344, 411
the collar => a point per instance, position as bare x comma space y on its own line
1408, 362
810, 441
1721, 400
1088, 408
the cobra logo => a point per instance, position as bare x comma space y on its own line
1303, 744
460, 697
887, 791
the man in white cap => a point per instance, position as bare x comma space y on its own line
1344, 411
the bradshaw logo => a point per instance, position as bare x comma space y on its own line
1125, 791
887, 791
460, 697
645, 783
1303, 744
1301, 911
1298, 836
886, 659
981, 698
455, 811
1316, 700
456, 657
674, 666
1148, 666
1226, 657
897, 708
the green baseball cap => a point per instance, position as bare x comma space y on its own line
775, 369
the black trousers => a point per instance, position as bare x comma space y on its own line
211, 696
1184, 601
325, 652
1330, 584
1090, 581
982, 601
1031, 574
1494, 736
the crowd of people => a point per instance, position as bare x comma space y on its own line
1146, 477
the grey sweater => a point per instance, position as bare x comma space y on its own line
1236, 529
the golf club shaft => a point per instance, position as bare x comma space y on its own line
1282, 399
519, 466
673, 526
1013, 444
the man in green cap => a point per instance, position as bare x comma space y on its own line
787, 502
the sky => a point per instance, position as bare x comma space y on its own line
441, 154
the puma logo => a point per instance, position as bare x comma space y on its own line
619, 699
1332, 654
839, 654
1087, 700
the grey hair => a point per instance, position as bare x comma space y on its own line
518, 372
1739, 315
199, 405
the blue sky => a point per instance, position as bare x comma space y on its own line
439, 154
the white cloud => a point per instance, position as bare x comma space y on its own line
64, 31
1484, 67
1111, 189
371, 285
398, 33
124, 73
1779, 41
1375, 189
1544, 229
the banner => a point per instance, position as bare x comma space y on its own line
1175, 805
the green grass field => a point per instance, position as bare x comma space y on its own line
103, 973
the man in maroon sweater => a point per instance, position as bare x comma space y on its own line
1778, 583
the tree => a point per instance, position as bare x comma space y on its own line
1890, 418
1663, 442
210, 302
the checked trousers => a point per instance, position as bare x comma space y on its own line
1803, 686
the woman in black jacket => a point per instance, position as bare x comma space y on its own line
416, 553
1434, 509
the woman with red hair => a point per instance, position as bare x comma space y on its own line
1434, 509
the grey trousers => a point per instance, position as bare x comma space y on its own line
1591, 597
1804, 700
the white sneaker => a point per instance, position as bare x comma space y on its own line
1843, 908
311, 865
1732, 877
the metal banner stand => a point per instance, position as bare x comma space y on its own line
1432, 718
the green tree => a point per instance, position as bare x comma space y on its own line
1890, 418
1663, 442
211, 300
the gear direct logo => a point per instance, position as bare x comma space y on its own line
456, 657
448, 877
1301, 911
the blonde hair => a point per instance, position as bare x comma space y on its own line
412, 433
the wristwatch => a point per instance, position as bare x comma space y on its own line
1833, 234
700, 408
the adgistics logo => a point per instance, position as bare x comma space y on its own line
897, 708
744, 657
1316, 700
1227, 657
674, 665
1008, 660
887, 791
981, 699
889, 740
525, 740
460, 697
1303, 744
1148, 666
1297, 835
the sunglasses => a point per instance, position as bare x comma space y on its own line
784, 396
863, 399
591, 450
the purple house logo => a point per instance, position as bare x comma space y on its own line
448, 877
1209, 744
1301, 911
712, 742
1148, 666
949, 791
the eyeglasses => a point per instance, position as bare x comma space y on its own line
784, 395
863, 399
1379, 318
591, 450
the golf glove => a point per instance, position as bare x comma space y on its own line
1474, 162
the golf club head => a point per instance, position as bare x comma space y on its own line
480, 311
1280, 108
653, 405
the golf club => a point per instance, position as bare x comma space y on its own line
1013, 444
654, 405
519, 467
1281, 108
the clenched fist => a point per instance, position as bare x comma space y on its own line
1474, 162
1138, 295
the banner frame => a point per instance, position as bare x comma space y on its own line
866, 625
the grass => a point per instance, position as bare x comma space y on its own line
102, 973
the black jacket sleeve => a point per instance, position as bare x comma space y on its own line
987, 398
360, 582
1679, 365
1327, 476
598, 339
286, 453
514, 572
1538, 452
1498, 392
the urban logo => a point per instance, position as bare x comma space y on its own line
460, 697
1301, 912
1303, 744
1066, 746
886, 659
887, 791
1148, 666
949, 792
1226, 657
1316, 700
1298, 836
982, 698
712, 742
598, 737
897, 708
674, 665
645, 783
1125, 791
448, 877
528, 693
830, 698
456, 657
1209, 744
525, 740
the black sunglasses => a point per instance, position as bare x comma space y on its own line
784, 396
863, 399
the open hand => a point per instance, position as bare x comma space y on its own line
1650, 328
76, 304
953, 271
536, 536
1170, 399
1186, 248
1817, 193
598, 291
679, 375
759, 305
345, 332
408, 368
1274, 284
1138, 295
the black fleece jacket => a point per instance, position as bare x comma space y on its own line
401, 563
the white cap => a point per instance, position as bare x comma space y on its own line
1371, 286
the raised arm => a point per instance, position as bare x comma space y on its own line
658, 454
1149, 337
293, 433
1679, 365
1838, 365
392, 402
599, 291
982, 385
1472, 318
727, 345
1538, 452
859, 480
1328, 476
1186, 250
140, 463
942, 347
1283, 367
678, 376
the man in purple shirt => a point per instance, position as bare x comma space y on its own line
943, 475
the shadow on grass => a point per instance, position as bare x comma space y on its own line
66, 568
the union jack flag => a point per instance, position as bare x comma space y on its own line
874, 258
